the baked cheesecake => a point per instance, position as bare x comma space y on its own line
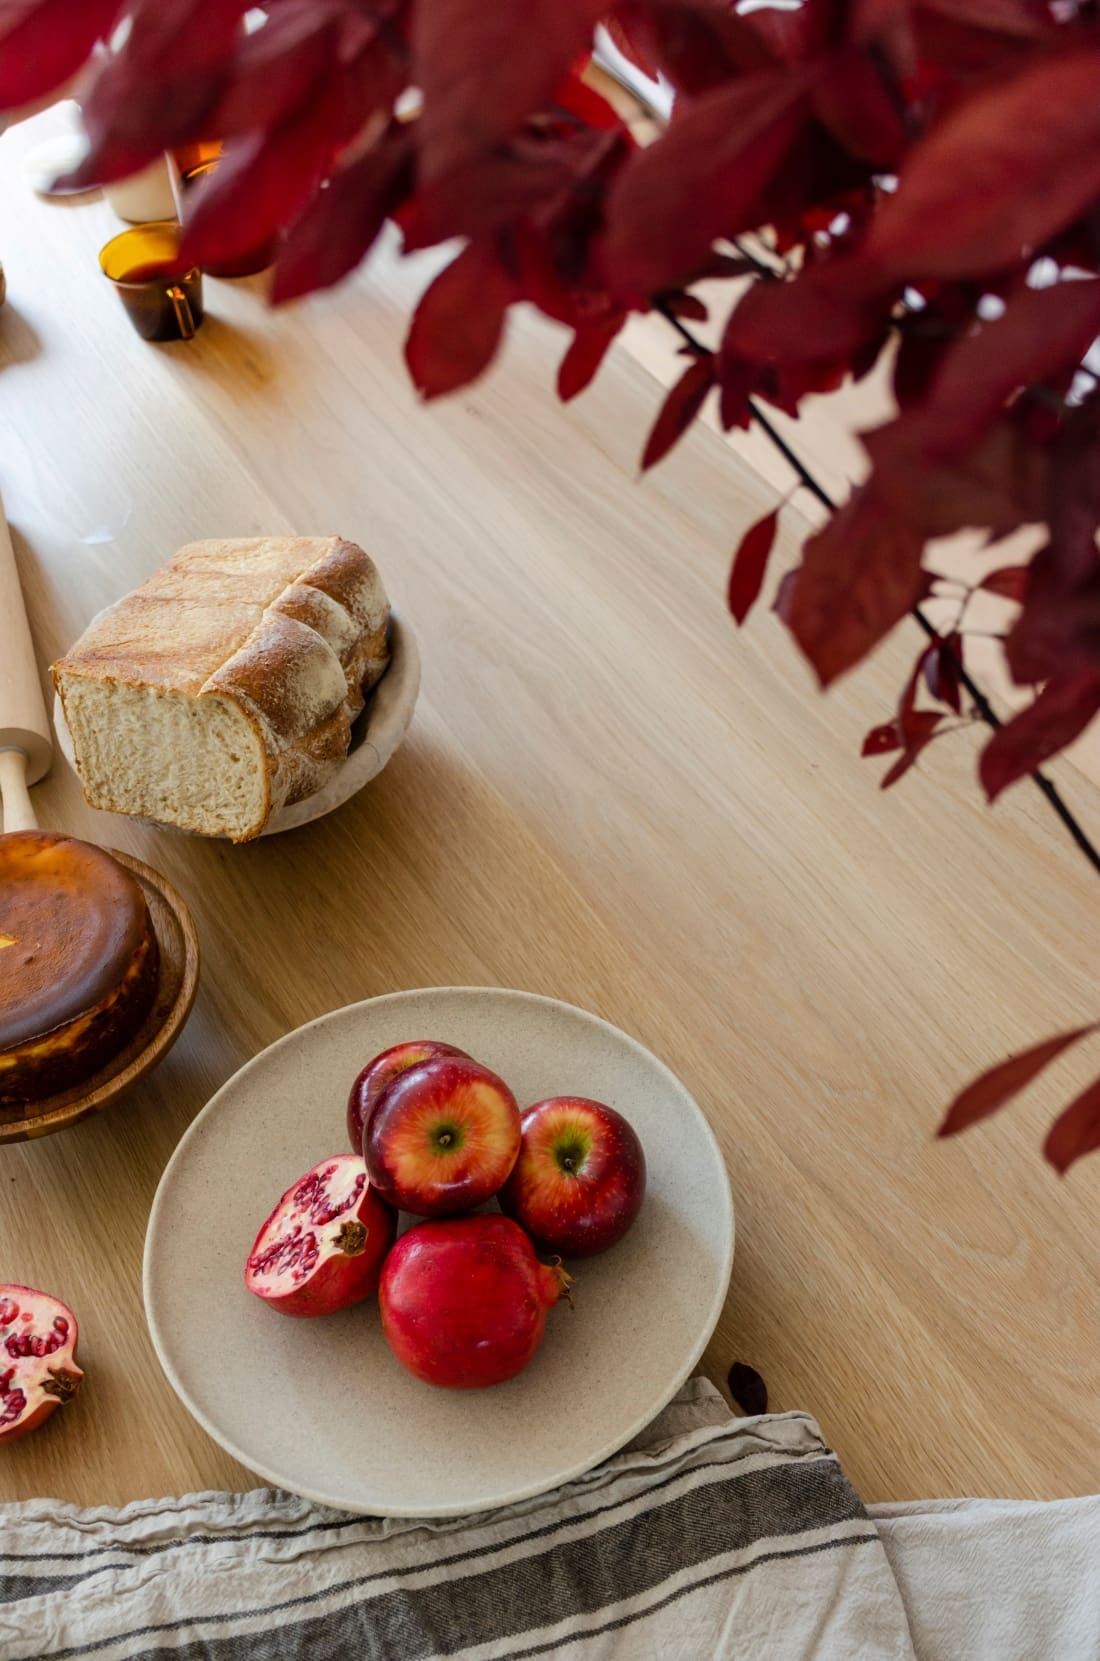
78, 963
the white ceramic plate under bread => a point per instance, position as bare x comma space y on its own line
374, 736
321, 1406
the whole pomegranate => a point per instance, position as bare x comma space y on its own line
322, 1247
379, 1074
38, 1369
464, 1300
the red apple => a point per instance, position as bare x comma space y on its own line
464, 1301
580, 1177
380, 1073
443, 1137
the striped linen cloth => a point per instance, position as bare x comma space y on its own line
708, 1537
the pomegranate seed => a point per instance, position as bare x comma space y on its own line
9, 1309
14, 1403
293, 1254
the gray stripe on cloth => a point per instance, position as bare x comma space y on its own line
730, 1512
619, 1623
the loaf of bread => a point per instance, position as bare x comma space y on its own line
225, 686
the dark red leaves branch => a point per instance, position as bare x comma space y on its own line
989, 1093
679, 409
750, 562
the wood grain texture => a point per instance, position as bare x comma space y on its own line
608, 795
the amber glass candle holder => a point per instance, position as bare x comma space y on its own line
162, 300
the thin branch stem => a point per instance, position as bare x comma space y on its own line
981, 703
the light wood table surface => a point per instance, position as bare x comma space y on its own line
607, 795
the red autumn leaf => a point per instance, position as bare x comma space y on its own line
859, 576
1042, 331
342, 221
457, 326
159, 89
1009, 581
1004, 170
483, 195
1025, 18
999, 485
696, 43
1059, 714
882, 739
941, 665
259, 184
921, 729
484, 68
44, 42
820, 316
728, 143
679, 409
748, 1389
1076, 1131
750, 563
916, 361
988, 1093
273, 71
585, 354
853, 104
1056, 632
737, 379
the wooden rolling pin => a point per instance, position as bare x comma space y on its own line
26, 742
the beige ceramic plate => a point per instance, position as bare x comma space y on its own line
374, 736
321, 1406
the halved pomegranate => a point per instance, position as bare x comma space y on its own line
322, 1247
38, 1369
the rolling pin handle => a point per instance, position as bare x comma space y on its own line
19, 815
